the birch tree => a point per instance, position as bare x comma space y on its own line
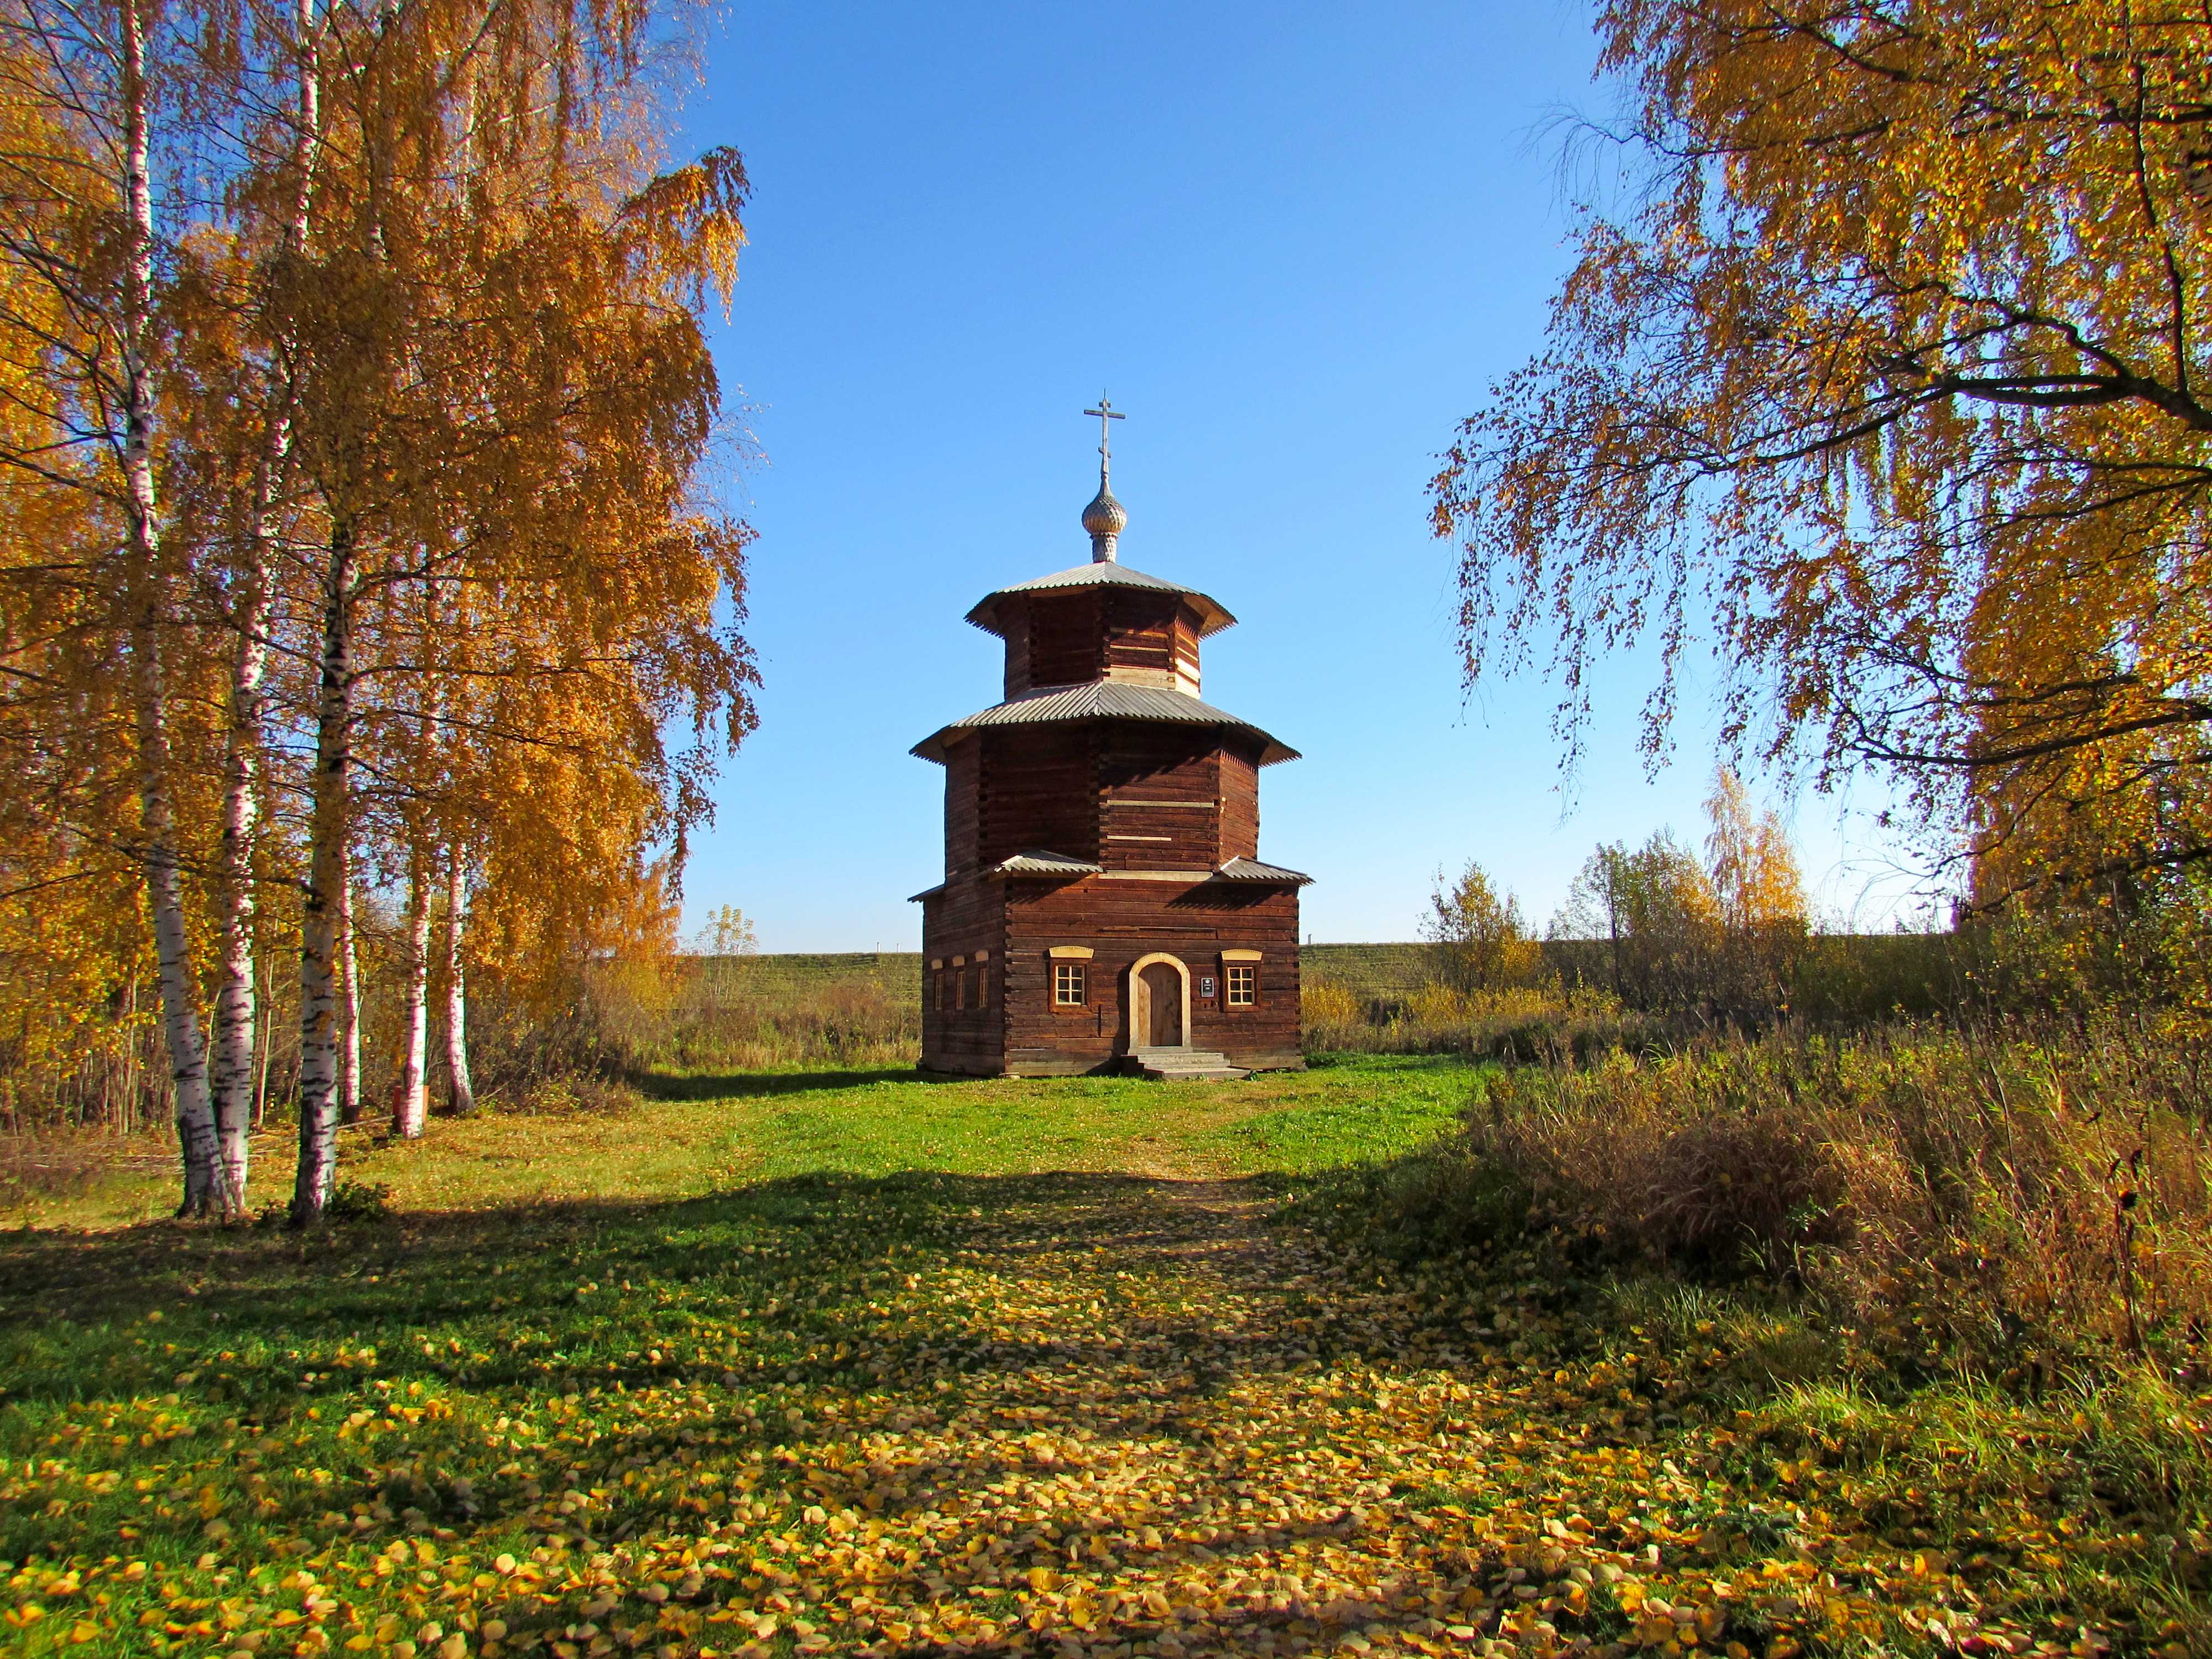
83, 232
1884, 377
461, 1100
411, 1088
508, 395
284, 149
318, 320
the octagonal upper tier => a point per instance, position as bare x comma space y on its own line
988, 614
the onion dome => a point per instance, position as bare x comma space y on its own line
1105, 519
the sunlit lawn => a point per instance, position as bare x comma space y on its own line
698, 1134
869, 1363
417, 1430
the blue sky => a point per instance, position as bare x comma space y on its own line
1296, 243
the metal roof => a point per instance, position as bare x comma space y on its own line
1037, 862
1104, 700
1102, 573
1253, 869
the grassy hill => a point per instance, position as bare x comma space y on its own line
1839, 976
1369, 969
780, 977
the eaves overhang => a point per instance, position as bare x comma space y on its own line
1213, 616
1103, 700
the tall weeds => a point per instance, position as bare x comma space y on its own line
1510, 1024
2018, 1205
734, 1013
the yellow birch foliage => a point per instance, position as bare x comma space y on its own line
1752, 868
1883, 373
488, 348
1479, 938
73, 945
548, 645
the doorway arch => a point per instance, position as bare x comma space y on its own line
1159, 1002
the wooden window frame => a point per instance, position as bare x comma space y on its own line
1063, 971
1077, 956
1231, 962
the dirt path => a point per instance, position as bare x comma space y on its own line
1079, 1414
1180, 1429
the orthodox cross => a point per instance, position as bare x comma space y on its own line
1105, 413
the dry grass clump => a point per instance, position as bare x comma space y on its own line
848, 1024
1331, 1014
2006, 1203
1545, 1021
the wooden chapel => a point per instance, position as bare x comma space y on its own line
1104, 905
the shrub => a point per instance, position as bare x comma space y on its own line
1512, 1023
2021, 1203
1330, 1015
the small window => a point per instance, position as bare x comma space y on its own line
1243, 984
981, 998
959, 989
1067, 984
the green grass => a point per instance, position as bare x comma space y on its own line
696, 1134
861, 1362
190, 1415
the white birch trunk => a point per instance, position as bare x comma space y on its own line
180, 1023
456, 1002
328, 829
410, 1090
157, 817
350, 990
234, 998
234, 1092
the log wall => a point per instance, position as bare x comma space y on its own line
963, 1008
1158, 798
963, 797
1037, 790
1054, 641
1070, 639
1123, 921
1240, 805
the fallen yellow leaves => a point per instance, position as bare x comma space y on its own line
1108, 1418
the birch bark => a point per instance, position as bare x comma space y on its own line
457, 1003
350, 991
411, 1093
329, 827
158, 855
243, 742
234, 997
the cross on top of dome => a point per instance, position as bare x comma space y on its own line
1105, 518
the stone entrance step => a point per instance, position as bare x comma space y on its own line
1185, 1065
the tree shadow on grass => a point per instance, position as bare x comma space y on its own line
763, 1085
874, 1302
828, 1235
814, 1281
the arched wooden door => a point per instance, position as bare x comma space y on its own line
1159, 993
